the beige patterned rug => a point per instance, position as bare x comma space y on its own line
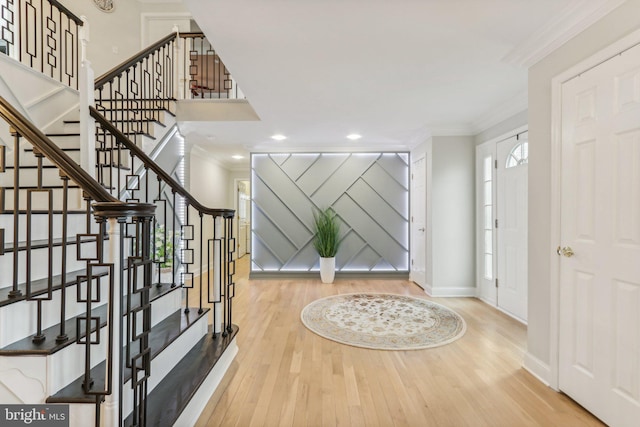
383, 321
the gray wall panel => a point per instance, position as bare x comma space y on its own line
396, 165
322, 168
280, 213
269, 174
380, 211
368, 191
389, 189
296, 165
277, 239
342, 178
376, 236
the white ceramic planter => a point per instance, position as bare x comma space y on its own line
327, 269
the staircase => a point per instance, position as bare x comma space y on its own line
102, 307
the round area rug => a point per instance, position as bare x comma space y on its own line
383, 321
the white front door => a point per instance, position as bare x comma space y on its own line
418, 220
512, 172
599, 325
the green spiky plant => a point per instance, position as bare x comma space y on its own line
327, 233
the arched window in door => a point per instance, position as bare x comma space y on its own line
518, 156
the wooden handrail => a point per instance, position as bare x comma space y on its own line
161, 173
67, 12
138, 57
52, 152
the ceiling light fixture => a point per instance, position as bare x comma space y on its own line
354, 136
237, 157
278, 137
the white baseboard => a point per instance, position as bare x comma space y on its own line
449, 292
537, 368
199, 401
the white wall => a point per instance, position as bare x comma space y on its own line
514, 122
120, 29
453, 216
611, 28
210, 184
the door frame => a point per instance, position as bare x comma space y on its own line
593, 61
490, 145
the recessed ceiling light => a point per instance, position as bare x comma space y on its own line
278, 137
237, 157
354, 136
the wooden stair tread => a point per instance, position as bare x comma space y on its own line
161, 336
39, 244
44, 187
169, 398
39, 287
29, 150
43, 212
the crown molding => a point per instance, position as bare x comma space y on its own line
501, 112
452, 129
573, 19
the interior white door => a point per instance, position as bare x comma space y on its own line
599, 326
418, 220
512, 173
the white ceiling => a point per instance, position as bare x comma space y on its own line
394, 71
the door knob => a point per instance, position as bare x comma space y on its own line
566, 251
421, 229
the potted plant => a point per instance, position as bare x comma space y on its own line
163, 254
326, 240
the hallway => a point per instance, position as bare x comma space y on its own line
285, 375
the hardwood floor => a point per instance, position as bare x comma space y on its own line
285, 375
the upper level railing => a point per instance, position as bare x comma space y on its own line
205, 75
137, 92
44, 35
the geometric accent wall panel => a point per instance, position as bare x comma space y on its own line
368, 191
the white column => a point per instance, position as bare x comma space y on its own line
87, 98
109, 410
178, 65
218, 249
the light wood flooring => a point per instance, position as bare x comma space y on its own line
285, 375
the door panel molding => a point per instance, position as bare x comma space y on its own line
552, 376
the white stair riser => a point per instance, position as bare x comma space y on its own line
26, 311
165, 361
40, 201
26, 158
45, 375
39, 264
76, 223
67, 365
66, 141
29, 177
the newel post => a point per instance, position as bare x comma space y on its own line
178, 65
128, 226
87, 98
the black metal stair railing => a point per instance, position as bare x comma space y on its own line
137, 93
44, 35
203, 243
42, 185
